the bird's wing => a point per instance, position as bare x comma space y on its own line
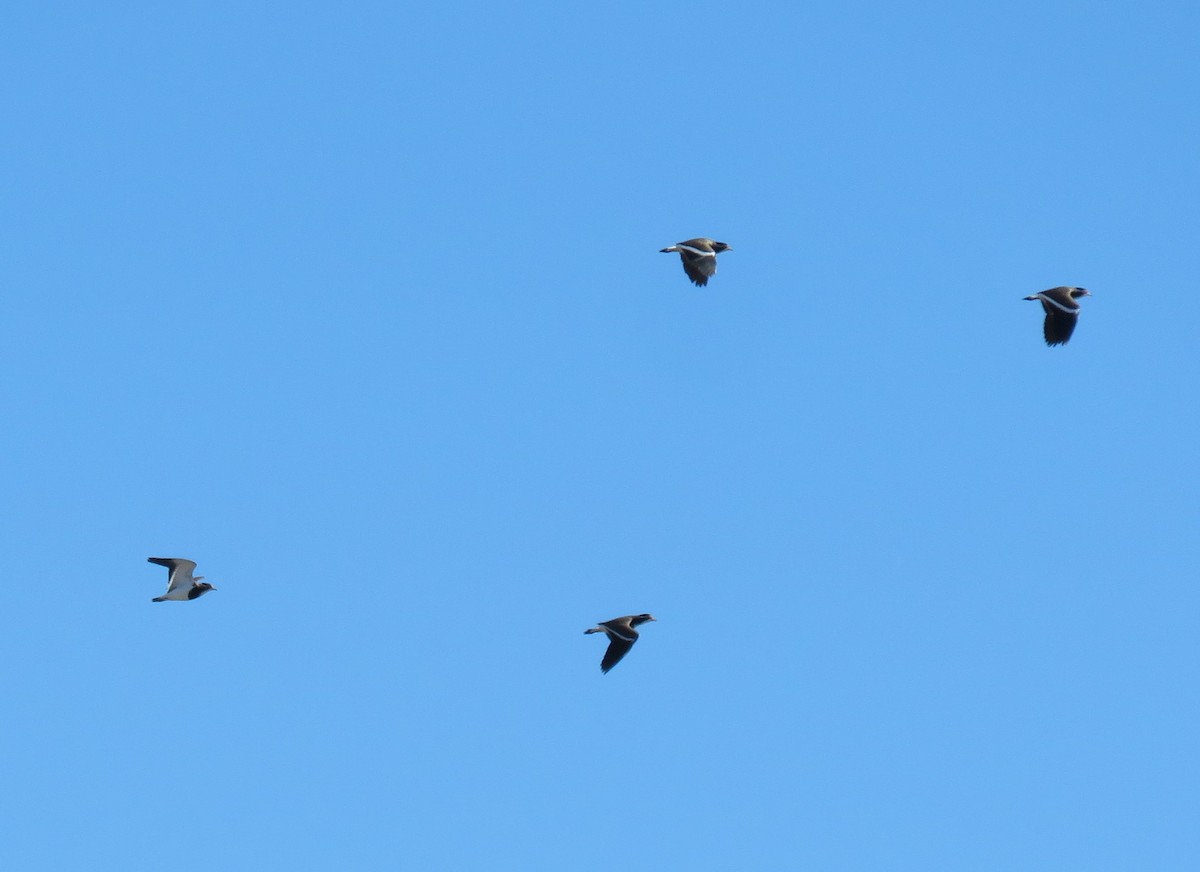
621, 628
699, 265
617, 648
181, 571
1059, 323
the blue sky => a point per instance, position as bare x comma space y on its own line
362, 309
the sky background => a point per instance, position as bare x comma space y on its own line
361, 308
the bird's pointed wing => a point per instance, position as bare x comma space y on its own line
617, 648
699, 265
181, 571
1059, 323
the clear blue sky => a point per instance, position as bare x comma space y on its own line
362, 309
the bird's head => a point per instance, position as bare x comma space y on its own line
1076, 293
718, 246
641, 619
204, 585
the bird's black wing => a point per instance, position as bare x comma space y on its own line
699, 267
1059, 325
617, 648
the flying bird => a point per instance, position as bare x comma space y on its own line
180, 583
1062, 311
699, 257
621, 636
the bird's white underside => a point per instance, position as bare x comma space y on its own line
180, 580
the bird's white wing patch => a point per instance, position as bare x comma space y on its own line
622, 633
181, 576
1070, 310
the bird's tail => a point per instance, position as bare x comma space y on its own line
667, 250
159, 599
593, 630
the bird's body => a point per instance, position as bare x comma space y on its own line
621, 636
181, 584
699, 257
1062, 311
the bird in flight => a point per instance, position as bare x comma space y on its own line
1062, 311
621, 636
181, 585
699, 257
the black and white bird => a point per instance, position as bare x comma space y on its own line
1062, 311
181, 585
699, 257
621, 636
